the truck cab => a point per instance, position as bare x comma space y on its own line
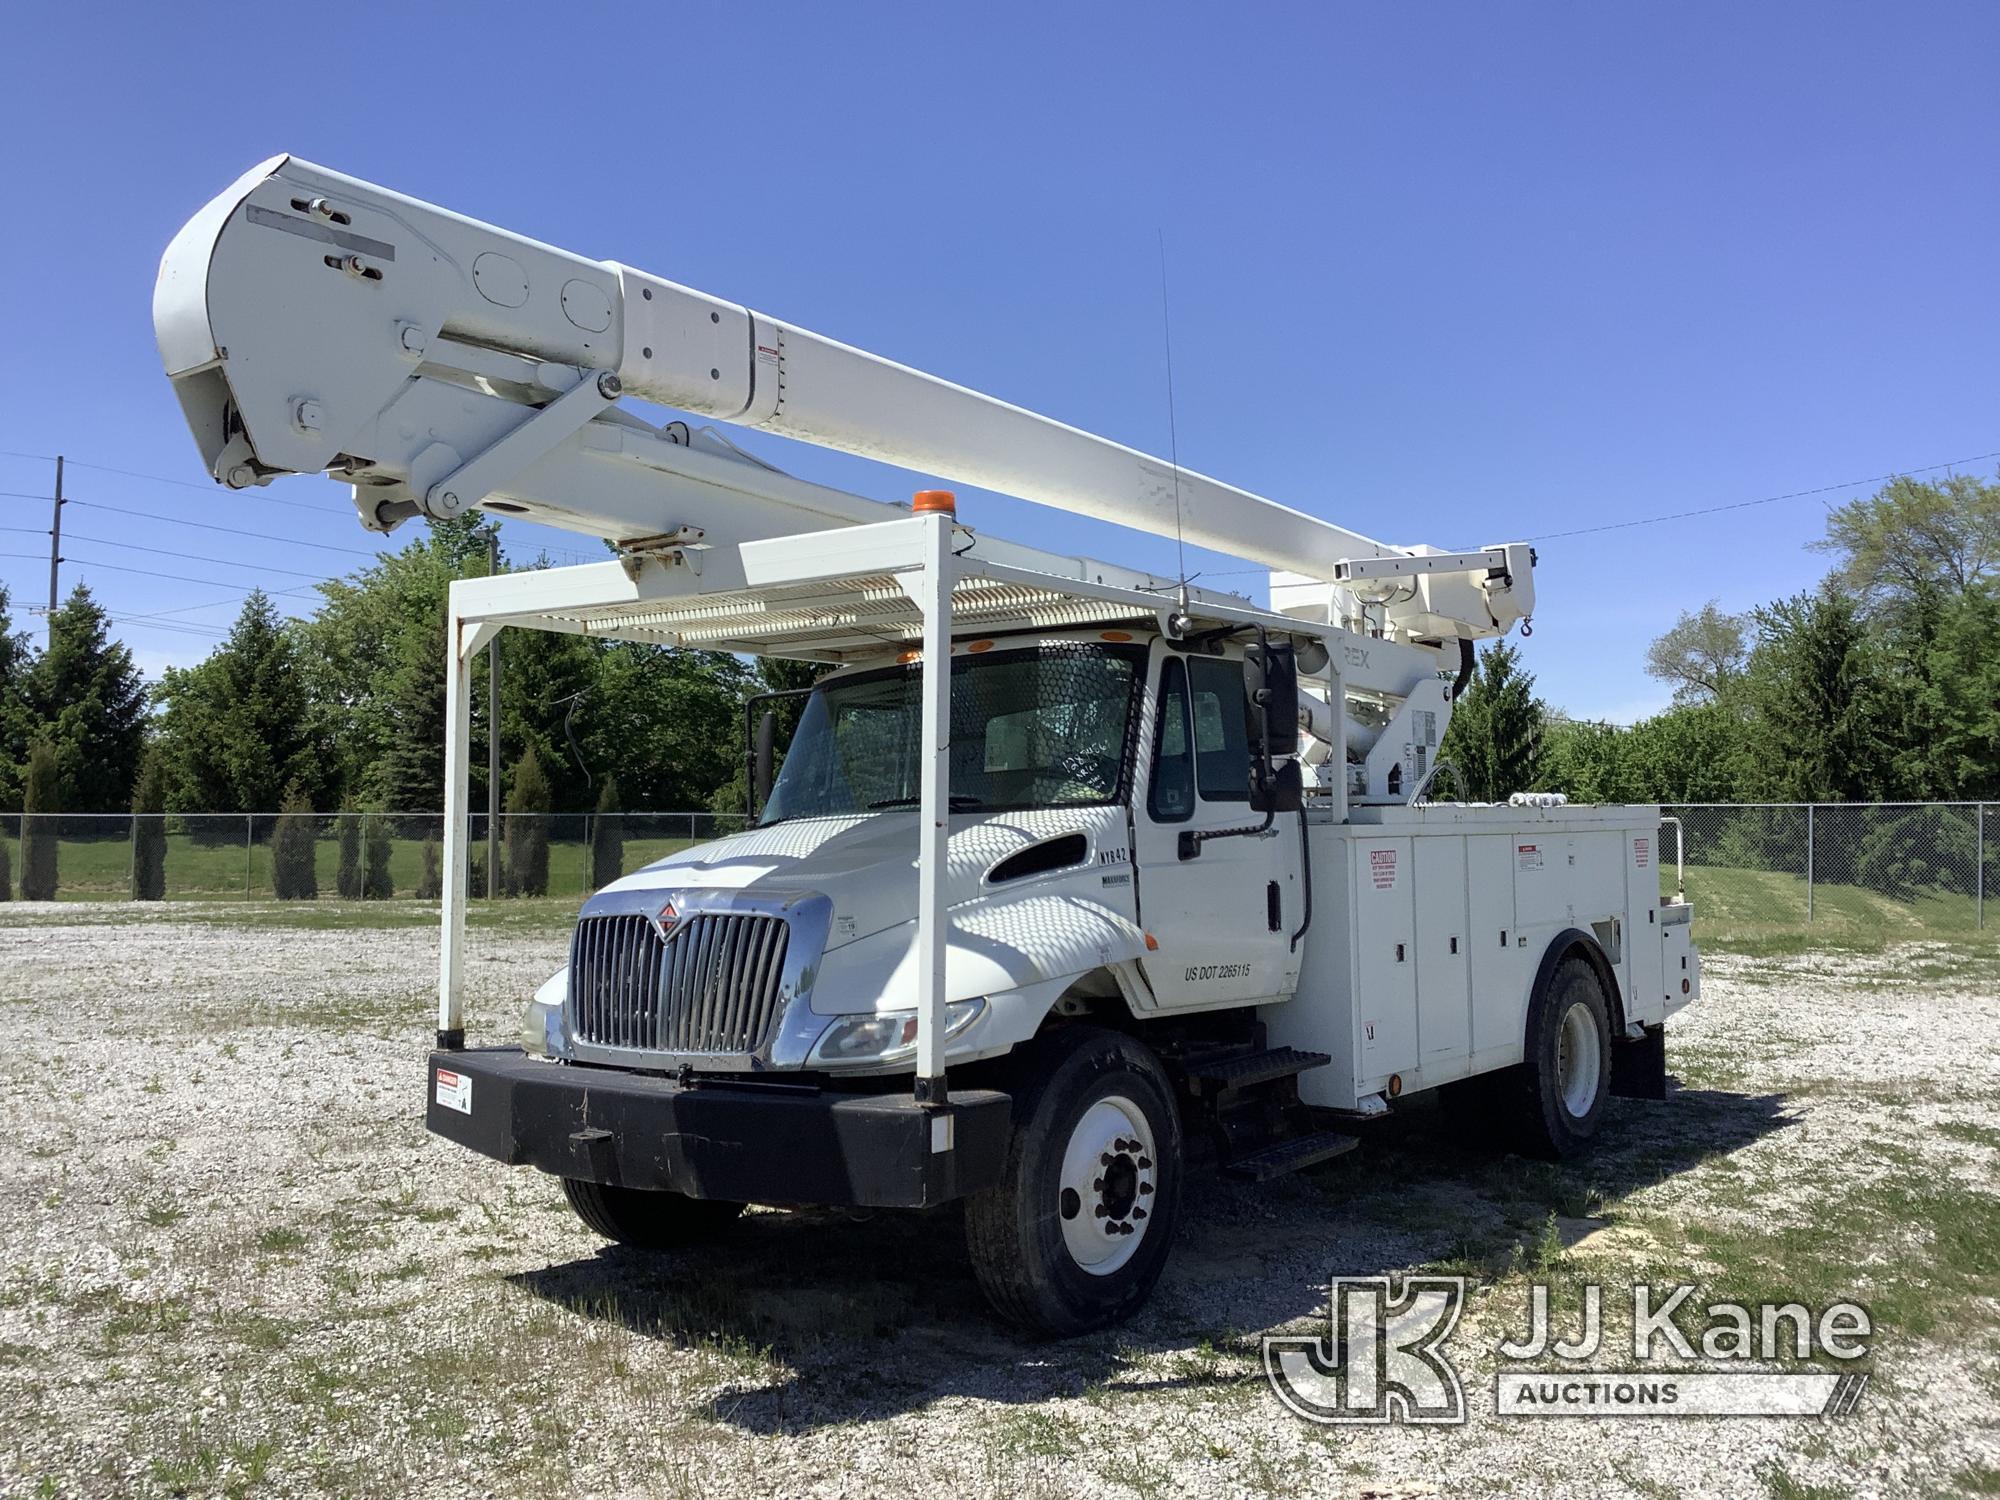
1079, 761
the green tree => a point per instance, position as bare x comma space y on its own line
293, 876
17, 660
347, 880
1495, 738
237, 729
526, 854
41, 800
377, 884
85, 696
1702, 655
149, 830
607, 838
373, 659
1945, 533
430, 885
1814, 688
667, 724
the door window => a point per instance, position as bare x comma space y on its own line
1171, 798
1221, 729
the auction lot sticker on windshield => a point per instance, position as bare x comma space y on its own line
454, 1091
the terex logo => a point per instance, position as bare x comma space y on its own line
1380, 1359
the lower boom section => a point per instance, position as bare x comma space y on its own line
741, 1143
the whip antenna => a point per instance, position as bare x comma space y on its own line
1173, 431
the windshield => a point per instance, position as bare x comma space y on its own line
1042, 726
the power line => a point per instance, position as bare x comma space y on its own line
104, 541
1712, 510
87, 562
260, 536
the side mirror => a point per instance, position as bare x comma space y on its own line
1271, 679
767, 735
1283, 790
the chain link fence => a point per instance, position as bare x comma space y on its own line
1882, 868
1874, 869
222, 856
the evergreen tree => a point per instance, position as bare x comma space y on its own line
526, 854
87, 699
607, 838
293, 876
149, 830
1818, 701
409, 778
16, 662
347, 879
376, 884
430, 885
41, 800
236, 729
1495, 739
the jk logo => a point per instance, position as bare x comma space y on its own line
1381, 1358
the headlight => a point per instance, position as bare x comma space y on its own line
541, 1026
886, 1038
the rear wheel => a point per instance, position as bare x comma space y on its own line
1079, 1227
647, 1220
1559, 1092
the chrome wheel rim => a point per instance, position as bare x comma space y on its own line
1104, 1198
1579, 1060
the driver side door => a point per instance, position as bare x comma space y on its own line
1223, 919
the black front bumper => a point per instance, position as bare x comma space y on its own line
741, 1143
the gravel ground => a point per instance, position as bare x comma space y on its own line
235, 1263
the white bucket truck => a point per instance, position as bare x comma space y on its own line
1071, 879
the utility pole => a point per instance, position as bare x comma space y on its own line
55, 550
493, 729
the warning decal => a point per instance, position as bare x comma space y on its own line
1527, 856
1642, 852
454, 1091
1382, 868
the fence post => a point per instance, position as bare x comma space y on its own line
1809, 861
249, 843
1979, 869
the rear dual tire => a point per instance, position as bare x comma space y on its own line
1556, 1097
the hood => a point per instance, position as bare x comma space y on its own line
867, 864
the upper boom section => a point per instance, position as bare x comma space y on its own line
311, 321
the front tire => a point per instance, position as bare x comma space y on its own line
648, 1220
1079, 1227
1559, 1092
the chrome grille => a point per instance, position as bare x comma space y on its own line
713, 986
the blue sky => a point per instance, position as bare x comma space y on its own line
1443, 273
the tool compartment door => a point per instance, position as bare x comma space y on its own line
1444, 988
1383, 913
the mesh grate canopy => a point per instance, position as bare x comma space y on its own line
835, 616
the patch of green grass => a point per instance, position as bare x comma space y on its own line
161, 1215
281, 1239
1780, 1485
1978, 1479
1967, 1130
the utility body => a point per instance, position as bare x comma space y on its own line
1070, 878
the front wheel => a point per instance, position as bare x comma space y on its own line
647, 1220
1078, 1229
